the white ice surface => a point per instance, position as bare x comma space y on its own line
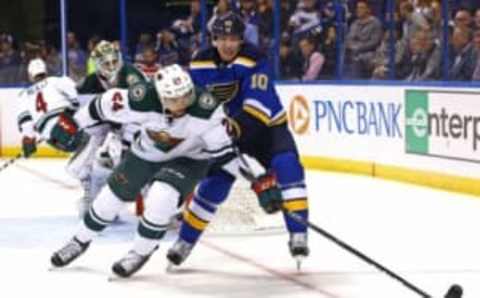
429, 237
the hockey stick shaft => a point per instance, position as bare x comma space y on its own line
356, 252
14, 159
10, 161
249, 175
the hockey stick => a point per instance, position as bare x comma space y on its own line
10, 161
14, 159
455, 291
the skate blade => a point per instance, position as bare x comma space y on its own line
171, 268
114, 278
299, 260
53, 269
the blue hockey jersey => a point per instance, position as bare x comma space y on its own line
245, 84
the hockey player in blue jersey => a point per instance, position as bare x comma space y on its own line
237, 74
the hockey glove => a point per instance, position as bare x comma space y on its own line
268, 193
29, 146
65, 135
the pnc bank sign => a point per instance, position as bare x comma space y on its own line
347, 117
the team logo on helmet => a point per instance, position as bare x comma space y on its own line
177, 81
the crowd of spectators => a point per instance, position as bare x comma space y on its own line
320, 39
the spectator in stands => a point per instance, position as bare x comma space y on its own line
148, 64
329, 49
188, 33
426, 59
313, 59
167, 48
77, 59
91, 44
306, 19
248, 11
289, 61
9, 60
476, 46
411, 20
463, 19
52, 59
287, 8
476, 20
423, 7
363, 38
462, 62
144, 40
9, 57
381, 61
265, 23
435, 20
193, 20
222, 8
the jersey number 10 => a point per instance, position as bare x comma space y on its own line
259, 81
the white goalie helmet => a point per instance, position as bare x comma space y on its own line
108, 59
36, 67
174, 87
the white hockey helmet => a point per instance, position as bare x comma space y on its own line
174, 87
108, 59
36, 67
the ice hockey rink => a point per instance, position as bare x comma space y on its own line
429, 237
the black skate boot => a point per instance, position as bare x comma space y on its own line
298, 246
131, 263
179, 252
72, 250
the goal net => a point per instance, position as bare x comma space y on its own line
242, 214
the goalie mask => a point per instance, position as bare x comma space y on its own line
108, 60
175, 88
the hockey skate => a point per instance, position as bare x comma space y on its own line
131, 263
72, 250
177, 254
298, 246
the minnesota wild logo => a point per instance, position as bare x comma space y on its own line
163, 140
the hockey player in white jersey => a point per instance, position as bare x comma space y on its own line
47, 109
182, 129
93, 162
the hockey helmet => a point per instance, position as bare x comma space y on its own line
174, 87
108, 59
36, 67
229, 24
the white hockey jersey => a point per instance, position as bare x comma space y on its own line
199, 134
42, 102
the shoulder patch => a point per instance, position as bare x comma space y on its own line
137, 92
132, 79
207, 101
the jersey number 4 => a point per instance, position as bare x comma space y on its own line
40, 103
117, 102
